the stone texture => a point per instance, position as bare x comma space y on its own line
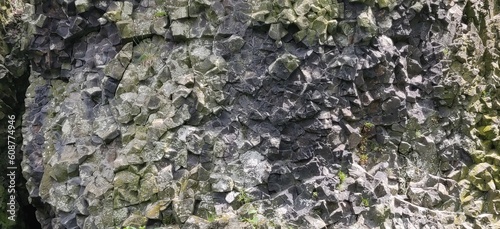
265, 114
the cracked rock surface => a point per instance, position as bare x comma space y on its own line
263, 114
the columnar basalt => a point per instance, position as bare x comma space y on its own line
16, 211
246, 113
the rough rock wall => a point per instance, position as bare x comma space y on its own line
474, 73
14, 72
306, 113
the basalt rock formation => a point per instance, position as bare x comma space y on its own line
263, 114
14, 72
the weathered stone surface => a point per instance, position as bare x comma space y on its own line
277, 31
367, 20
108, 130
135, 221
221, 183
232, 114
183, 209
229, 46
153, 210
284, 66
116, 67
481, 177
196, 222
82, 5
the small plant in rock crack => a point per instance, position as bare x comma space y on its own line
485, 94
211, 217
373, 145
342, 177
367, 127
146, 52
160, 13
363, 159
418, 134
243, 197
252, 219
434, 120
147, 59
365, 202
446, 51
363, 145
315, 194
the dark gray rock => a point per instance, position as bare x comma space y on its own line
307, 171
247, 110
68, 220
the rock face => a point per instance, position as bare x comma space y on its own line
267, 114
14, 72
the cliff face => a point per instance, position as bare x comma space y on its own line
246, 113
14, 72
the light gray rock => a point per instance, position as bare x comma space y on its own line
116, 67
221, 183
196, 223
82, 5
284, 66
367, 20
107, 130
183, 209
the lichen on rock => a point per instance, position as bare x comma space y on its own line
283, 113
